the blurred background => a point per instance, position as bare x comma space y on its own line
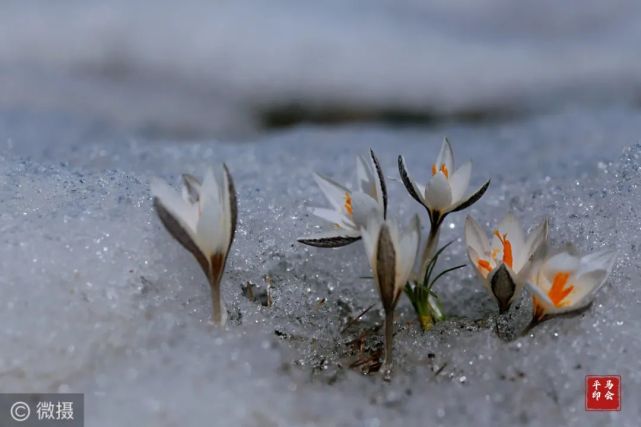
228, 69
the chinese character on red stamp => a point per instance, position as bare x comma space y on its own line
603, 393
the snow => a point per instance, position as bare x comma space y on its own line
96, 297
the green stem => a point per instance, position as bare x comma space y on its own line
426, 321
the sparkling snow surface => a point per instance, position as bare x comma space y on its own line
96, 297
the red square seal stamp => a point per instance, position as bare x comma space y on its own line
603, 393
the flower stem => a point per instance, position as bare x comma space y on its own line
215, 273
389, 341
426, 321
217, 313
430, 249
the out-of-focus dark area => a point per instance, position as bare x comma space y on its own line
200, 68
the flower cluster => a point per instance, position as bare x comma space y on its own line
559, 280
506, 262
203, 219
391, 252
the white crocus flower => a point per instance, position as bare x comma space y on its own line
391, 254
503, 263
203, 220
446, 190
565, 282
350, 210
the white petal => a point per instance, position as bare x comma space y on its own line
213, 228
460, 181
585, 286
446, 156
407, 250
364, 207
535, 240
529, 269
474, 257
333, 217
212, 185
184, 212
591, 274
365, 177
334, 192
533, 243
438, 194
561, 262
475, 237
370, 240
601, 260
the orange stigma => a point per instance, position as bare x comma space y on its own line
443, 169
558, 291
348, 203
484, 265
507, 248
